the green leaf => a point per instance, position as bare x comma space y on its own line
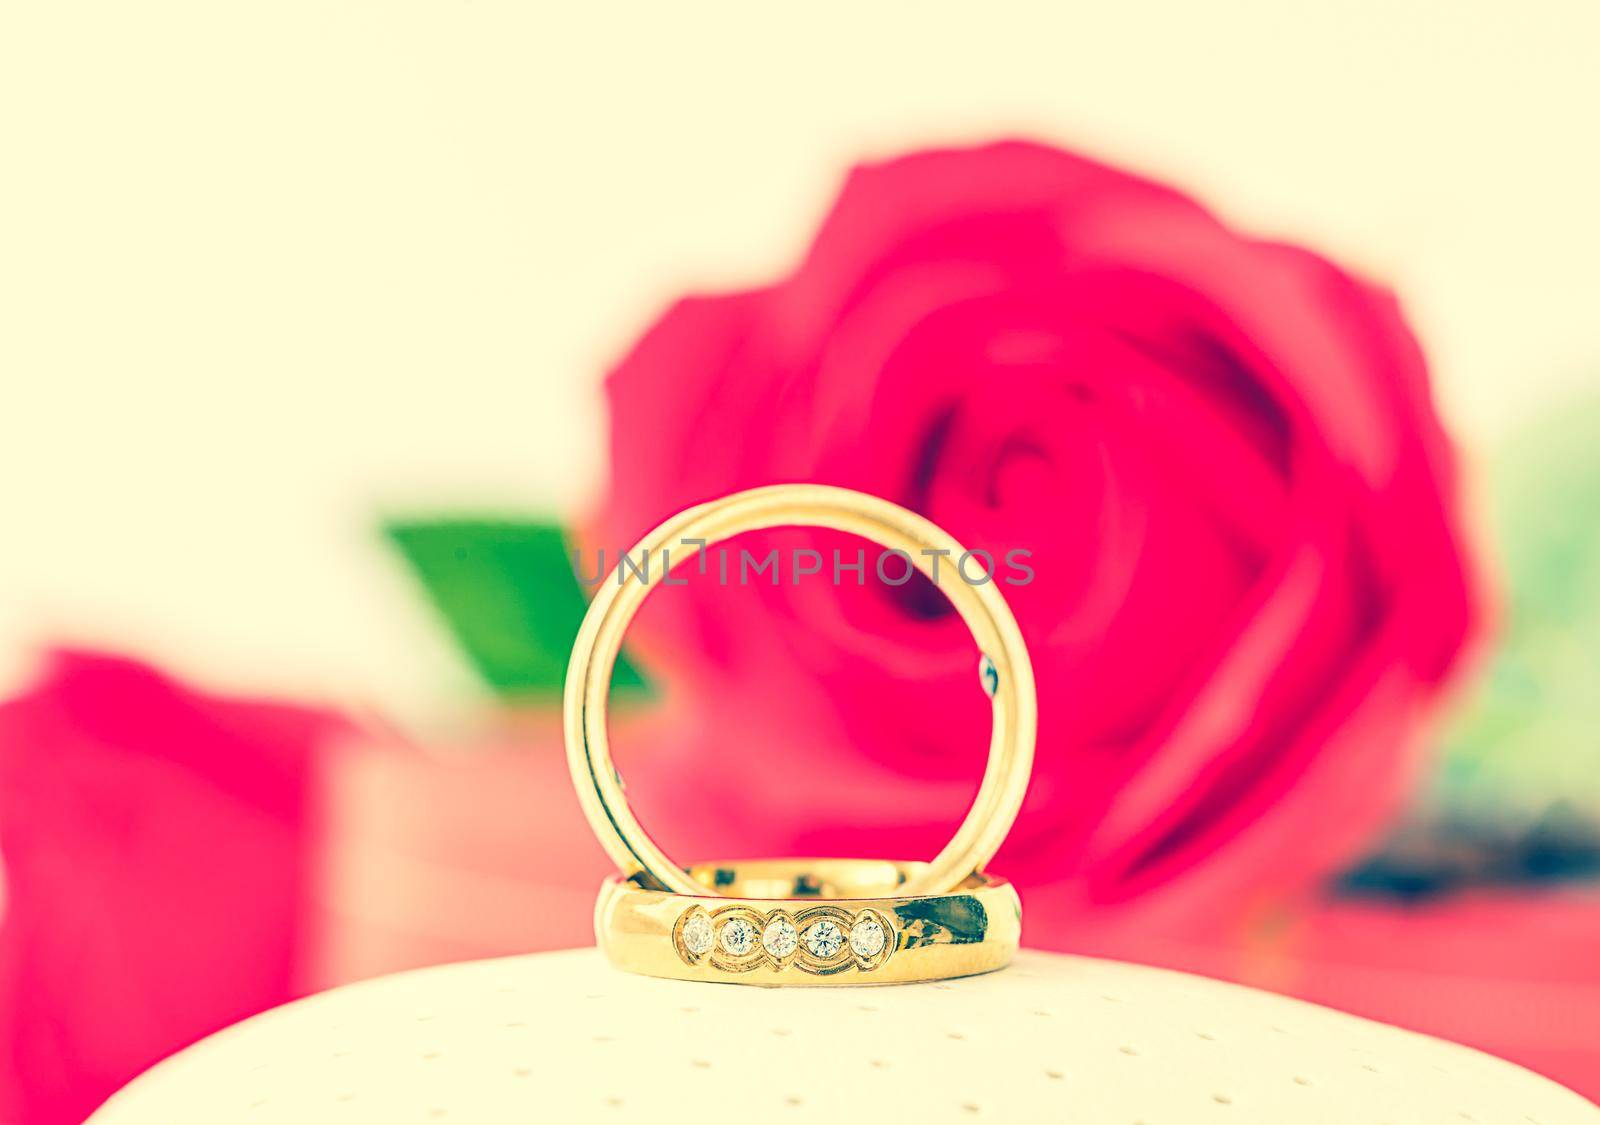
508, 593
1516, 796
1526, 740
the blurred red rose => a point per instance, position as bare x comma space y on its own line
157, 860
1220, 451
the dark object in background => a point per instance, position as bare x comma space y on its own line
1453, 852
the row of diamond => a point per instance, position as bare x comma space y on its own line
737, 938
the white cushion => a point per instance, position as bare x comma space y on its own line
562, 1037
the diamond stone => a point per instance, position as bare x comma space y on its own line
738, 937
823, 939
697, 934
867, 938
780, 937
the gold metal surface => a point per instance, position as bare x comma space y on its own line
812, 939
1004, 667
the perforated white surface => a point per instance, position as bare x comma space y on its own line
562, 1037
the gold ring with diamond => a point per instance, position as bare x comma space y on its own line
1005, 672
809, 922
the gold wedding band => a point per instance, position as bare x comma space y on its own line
1005, 673
816, 921
809, 922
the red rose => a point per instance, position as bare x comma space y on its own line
1220, 452
157, 851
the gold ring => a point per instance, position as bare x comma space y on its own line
1004, 670
809, 922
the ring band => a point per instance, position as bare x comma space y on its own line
784, 925
1005, 672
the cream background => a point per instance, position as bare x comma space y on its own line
268, 269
